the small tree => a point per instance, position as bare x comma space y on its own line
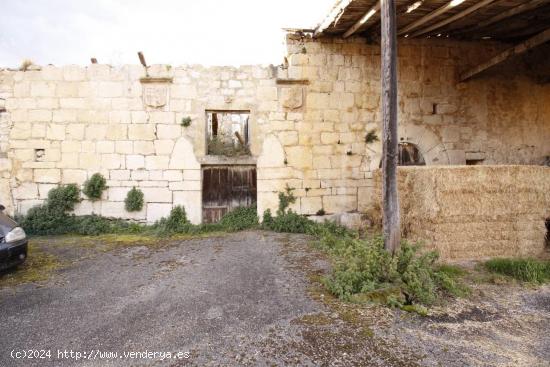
94, 186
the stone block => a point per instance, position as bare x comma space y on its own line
163, 147
119, 174
135, 161
96, 132
43, 190
42, 89
47, 175
183, 156
172, 175
144, 147
40, 115
55, 132
117, 193
192, 175
26, 190
124, 147
141, 132
299, 157
89, 161
192, 202
185, 186
112, 161
310, 205
156, 211
105, 146
140, 175
113, 209
168, 131
77, 176
153, 162
339, 203
157, 195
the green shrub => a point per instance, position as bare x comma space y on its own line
176, 222
51, 217
364, 267
239, 219
64, 197
527, 270
134, 200
94, 186
90, 225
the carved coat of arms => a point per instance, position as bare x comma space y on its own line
155, 95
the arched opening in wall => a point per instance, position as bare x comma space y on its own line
409, 155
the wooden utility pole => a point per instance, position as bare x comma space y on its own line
390, 221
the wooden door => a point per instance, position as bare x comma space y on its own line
225, 188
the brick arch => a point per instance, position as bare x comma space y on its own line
429, 144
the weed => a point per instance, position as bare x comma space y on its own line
371, 137
364, 267
526, 270
185, 121
239, 219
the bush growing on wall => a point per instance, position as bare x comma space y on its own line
134, 200
94, 186
52, 217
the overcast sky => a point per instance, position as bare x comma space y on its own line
211, 32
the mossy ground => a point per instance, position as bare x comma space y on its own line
38, 267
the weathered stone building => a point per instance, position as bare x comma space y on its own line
305, 122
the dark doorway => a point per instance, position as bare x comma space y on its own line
225, 188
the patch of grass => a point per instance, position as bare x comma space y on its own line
39, 266
525, 270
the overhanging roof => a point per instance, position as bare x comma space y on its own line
503, 20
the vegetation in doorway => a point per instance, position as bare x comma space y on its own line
221, 145
94, 186
134, 200
186, 121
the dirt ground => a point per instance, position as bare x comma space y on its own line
249, 298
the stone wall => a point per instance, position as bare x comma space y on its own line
475, 212
309, 118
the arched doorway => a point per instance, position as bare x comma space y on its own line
410, 155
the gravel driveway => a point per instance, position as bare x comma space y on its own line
248, 298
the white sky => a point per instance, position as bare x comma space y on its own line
210, 32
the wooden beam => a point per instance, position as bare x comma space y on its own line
390, 200
362, 20
454, 18
333, 16
507, 14
426, 18
532, 42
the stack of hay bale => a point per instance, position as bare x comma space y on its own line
473, 212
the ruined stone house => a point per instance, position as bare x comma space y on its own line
212, 138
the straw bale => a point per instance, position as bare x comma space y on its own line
473, 212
